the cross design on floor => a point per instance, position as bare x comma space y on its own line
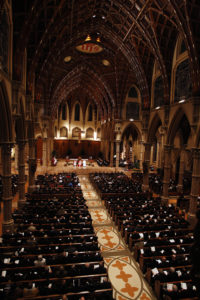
98, 216
129, 289
108, 238
124, 276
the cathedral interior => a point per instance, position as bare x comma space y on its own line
92, 87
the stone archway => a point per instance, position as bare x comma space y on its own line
154, 137
130, 144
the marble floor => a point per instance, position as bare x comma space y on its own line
124, 273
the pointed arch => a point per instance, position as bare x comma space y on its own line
179, 122
155, 124
133, 130
77, 112
90, 112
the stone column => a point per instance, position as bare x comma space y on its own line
107, 150
8, 223
44, 152
0, 163
195, 183
21, 170
167, 170
32, 164
159, 150
51, 148
111, 153
16, 157
147, 153
181, 171
151, 155
141, 153
117, 153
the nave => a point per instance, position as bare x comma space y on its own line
123, 271
113, 215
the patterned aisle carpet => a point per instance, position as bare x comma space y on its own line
125, 276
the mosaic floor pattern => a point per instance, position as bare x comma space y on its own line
109, 239
124, 274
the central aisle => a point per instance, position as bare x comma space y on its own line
125, 276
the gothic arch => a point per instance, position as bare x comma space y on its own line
131, 127
179, 84
179, 120
155, 124
80, 112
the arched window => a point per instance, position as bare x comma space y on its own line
89, 133
59, 110
63, 132
132, 93
132, 110
64, 112
77, 113
99, 133
183, 83
90, 112
158, 92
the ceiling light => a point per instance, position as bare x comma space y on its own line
105, 62
103, 17
94, 16
157, 107
181, 101
67, 59
131, 120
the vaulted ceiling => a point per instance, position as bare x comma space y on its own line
133, 34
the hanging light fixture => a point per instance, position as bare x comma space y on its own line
91, 45
98, 40
88, 38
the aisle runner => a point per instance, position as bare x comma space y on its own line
124, 274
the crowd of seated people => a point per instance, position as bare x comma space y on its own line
156, 184
108, 183
14, 180
53, 252
61, 183
160, 238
